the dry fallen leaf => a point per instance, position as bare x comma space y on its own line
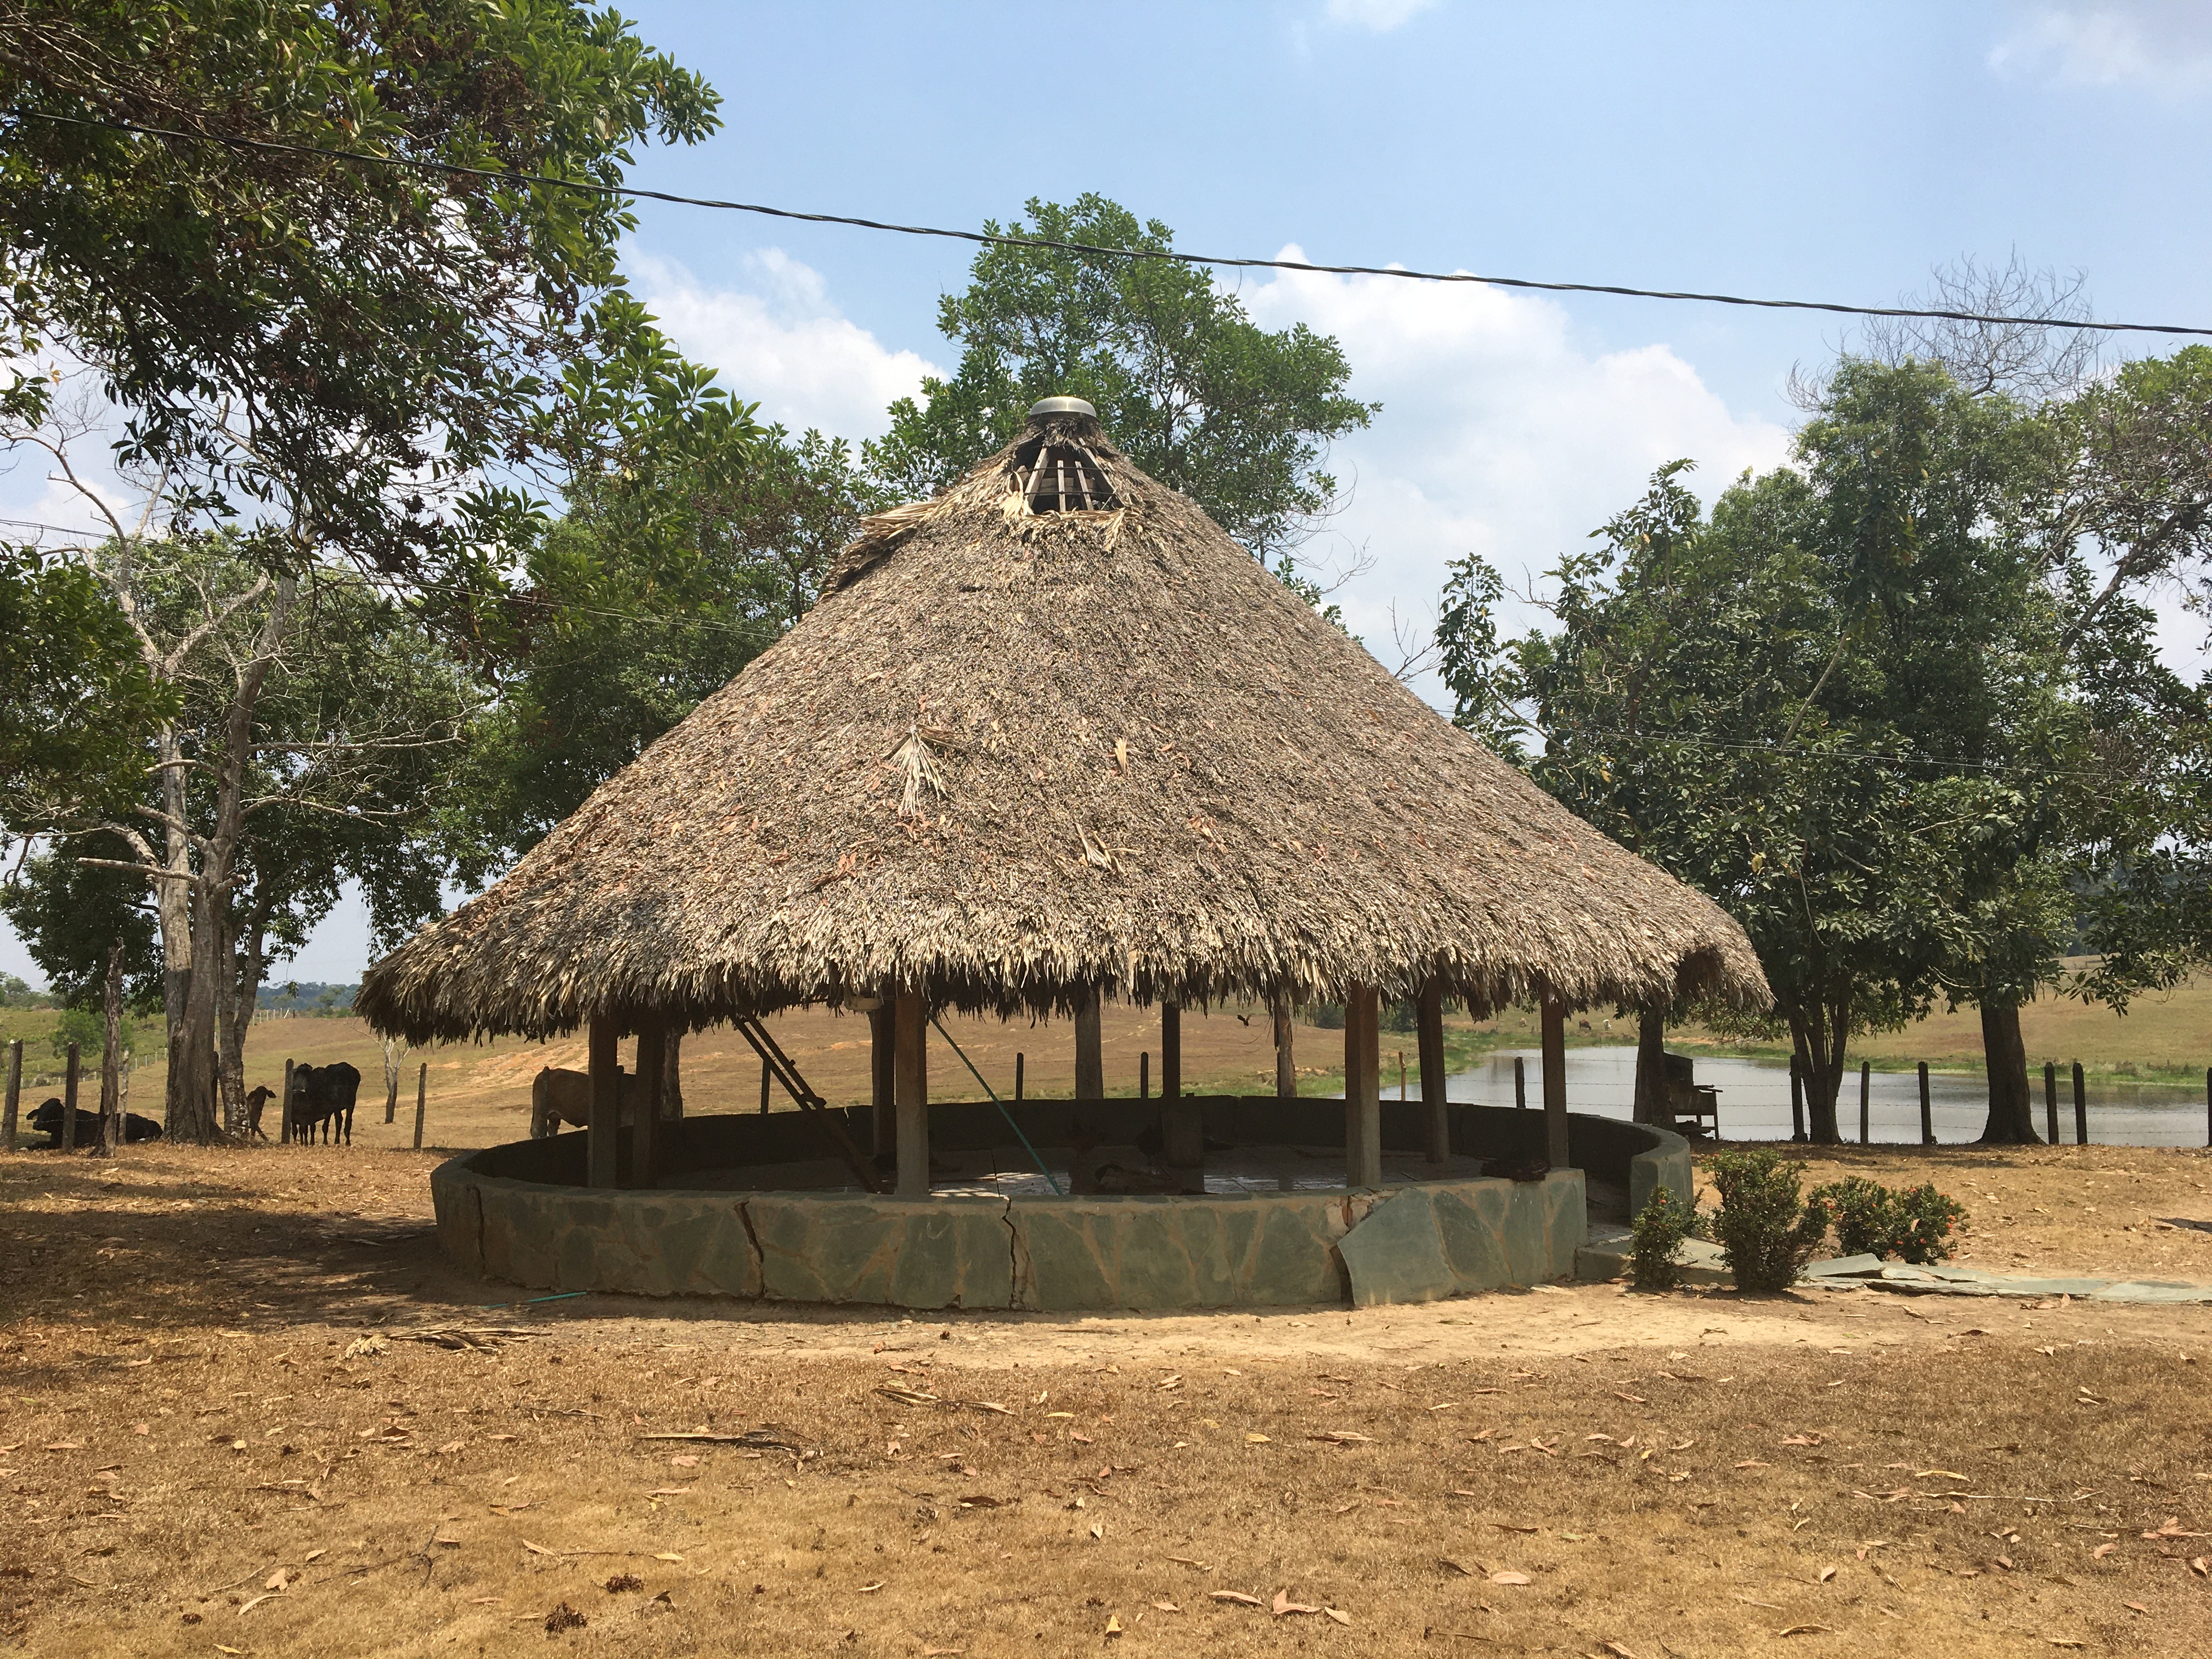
1113, 1625
1508, 1579
2102, 1550
1826, 1573
1806, 1630
1283, 1604
1339, 1614
1620, 1648
1256, 1440
1947, 1474
1237, 1597
1165, 1606
684, 1463
278, 1579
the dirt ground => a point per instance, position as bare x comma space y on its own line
224, 1432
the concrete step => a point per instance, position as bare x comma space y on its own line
1611, 1249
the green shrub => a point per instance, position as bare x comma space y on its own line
1764, 1227
1659, 1227
1927, 1219
1329, 1016
1872, 1219
1863, 1213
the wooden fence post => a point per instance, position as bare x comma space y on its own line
2050, 1098
1927, 1112
421, 1090
284, 1109
1866, 1087
1796, 1099
2080, 1107
1018, 1079
1521, 1081
1144, 1075
15, 1101
765, 1080
69, 1103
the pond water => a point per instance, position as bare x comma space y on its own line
1754, 1099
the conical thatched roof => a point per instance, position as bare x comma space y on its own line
1011, 755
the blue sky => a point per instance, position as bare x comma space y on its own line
1801, 150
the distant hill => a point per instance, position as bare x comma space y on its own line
307, 996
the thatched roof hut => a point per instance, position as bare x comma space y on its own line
1051, 733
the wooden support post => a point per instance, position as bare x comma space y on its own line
644, 1109
766, 1079
603, 1115
883, 1067
2051, 1101
1866, 1089
1430, 1040
912, 1092
14, 1103
1170, 1051
1363, 1087
391, 1053
1019, 1066
1182, 1127
1927, 1110
422, 1099
1556, 1148
1797, 1098
2080, 1107
1144, 1075
69, 1101
1520, 1082
1286, 1069
284, 1109
1090, 1059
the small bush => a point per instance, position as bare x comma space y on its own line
1863, 1213
1329, 1016
1872, 1219
1927, 1219
1764, 1227
1660, 1227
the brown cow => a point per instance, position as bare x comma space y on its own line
558, 1096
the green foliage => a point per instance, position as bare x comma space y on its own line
1199, 396
1659, 1229
1401, 1018
17, 992
1872, 1219
86, 1027
1834, 704
78, 696
1326, 1016
1764, 1226
658, 586
375, 335
69, 914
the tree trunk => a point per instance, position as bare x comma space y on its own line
191, 1112
672, 1074
1817, 1030
1653, 1103
2012, 1110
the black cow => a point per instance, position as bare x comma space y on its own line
324, 1095
46, 1120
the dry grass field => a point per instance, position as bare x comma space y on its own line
225, 1432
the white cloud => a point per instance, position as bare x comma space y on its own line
1380, 15
779, 340
2165, 44
1499, 435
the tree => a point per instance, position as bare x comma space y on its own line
1199, 396
1814, 705
359, 341
312, 719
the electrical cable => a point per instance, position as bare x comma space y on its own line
619, 192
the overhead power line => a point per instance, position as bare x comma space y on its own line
990, 239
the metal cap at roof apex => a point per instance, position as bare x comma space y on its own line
1062, 406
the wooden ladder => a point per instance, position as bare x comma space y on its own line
833, 1127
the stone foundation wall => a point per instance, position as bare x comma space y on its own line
1404, 1243
519, 1213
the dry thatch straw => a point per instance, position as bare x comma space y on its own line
1013, 754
